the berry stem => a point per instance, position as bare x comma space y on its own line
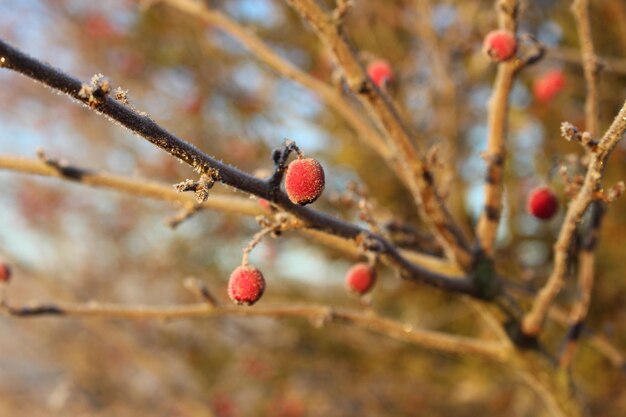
280, 158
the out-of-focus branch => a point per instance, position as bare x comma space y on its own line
586, 274
447, 103
586, 256
365, 131
427, 339
571, 55
598, 341
580, 9
535, 318
497, 120
138, 187
431, 206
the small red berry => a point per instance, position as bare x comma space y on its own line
5, 272
246, 285
380, 72
266, 205
549, 85
304, 181
360, 278
542, 203
500, 45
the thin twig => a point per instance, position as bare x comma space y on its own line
580, 9
315, 314
421, 181
535, 318
586, 274
571, 55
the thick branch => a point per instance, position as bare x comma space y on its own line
535, 318
431, 206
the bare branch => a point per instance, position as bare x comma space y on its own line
427, 339
535, 318
497, 119
580, 9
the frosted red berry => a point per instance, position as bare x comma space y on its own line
360, 278
380, 72
5, 272
500, 45
304, 181
246, 285
546, 87
542, 203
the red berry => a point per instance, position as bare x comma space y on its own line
266, 205
380, 72
246, 285
500, 45
549, 85
304, 181
542, 203
5, 272
360, 278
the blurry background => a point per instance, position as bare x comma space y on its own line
68, 242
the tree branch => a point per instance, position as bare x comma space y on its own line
427, 339
421, 180
97, 99
365, 131
586, 256
535, 318
497, 120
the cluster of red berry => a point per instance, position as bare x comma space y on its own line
304, 183
304, 178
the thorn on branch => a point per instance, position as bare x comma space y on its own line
201, 187
96, 92
570, 133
